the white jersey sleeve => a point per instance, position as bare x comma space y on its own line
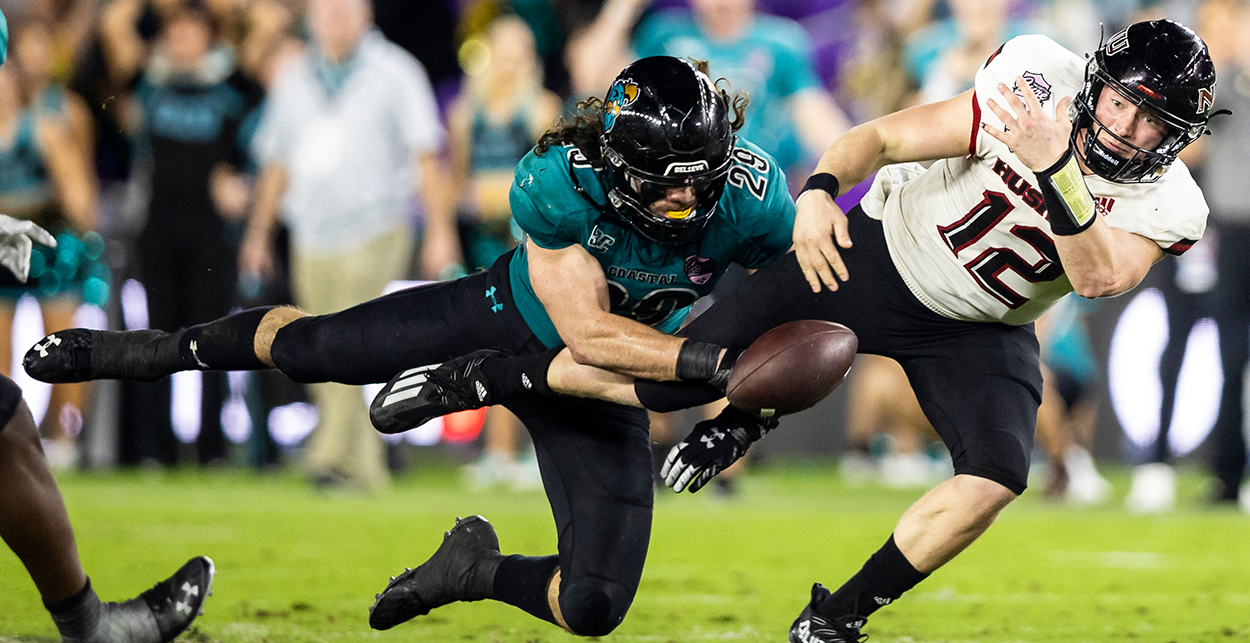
970, 236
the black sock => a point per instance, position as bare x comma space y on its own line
515, 375
522, 581
226, 344
77, 616
883, 579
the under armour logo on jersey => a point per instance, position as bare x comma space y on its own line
195, 347
600, 241
48, 342
495, 305
188, 590
711, 439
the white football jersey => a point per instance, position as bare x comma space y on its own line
969, 235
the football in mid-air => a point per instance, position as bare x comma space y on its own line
792, 367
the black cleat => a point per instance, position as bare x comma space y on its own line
463, 569
82, 354
160, 614
177, 600
421, 394
810, 627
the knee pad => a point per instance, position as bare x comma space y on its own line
593, 606
10, 398
296, 351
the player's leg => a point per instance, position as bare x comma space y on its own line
33, 521
34, 524
366, 343
980, 390
595, 462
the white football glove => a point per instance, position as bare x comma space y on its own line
17, 237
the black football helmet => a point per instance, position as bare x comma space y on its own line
1164, 69
665, 125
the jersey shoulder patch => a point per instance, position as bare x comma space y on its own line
1052, 72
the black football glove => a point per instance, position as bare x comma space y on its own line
711, 447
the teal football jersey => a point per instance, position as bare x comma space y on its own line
651, 283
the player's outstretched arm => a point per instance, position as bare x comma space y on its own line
566, 377
574, 292
926, 132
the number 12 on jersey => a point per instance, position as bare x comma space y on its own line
989, 265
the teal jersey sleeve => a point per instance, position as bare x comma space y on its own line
545, 203
758, 206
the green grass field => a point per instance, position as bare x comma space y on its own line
295, 566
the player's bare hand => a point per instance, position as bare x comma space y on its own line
817, 224
1035, 138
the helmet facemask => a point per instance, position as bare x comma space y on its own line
666, 126
1181, 99
633, 191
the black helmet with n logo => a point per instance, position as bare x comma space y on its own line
1164, 69
666, 125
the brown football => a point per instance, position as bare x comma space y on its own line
792, 367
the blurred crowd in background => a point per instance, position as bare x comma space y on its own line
196, 156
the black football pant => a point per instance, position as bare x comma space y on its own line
594, 456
